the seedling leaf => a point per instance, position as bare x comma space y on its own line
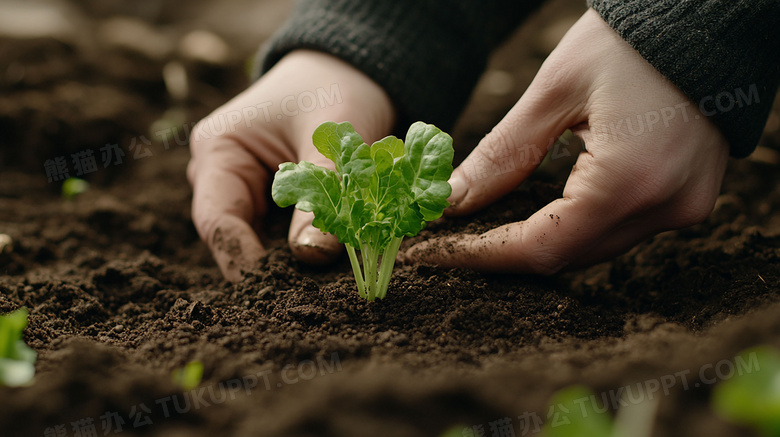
577, 415
189, 376
17, 360
72, 187
752, 398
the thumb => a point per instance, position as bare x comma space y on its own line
517, 144
308, 243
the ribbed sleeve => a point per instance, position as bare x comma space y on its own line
426, 54
723, 54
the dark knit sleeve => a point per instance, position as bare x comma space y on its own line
723, 54
426, 54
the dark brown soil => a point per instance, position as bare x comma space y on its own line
121, 291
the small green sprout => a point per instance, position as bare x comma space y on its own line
753, 398
72, 187
454, 431
189, 376
167, 127
579, 417
17, 360
378, 194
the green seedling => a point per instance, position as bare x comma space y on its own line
579, 416
753, 398
72, 187
378, 194
167, 127
189, 376
17, 360
454, 431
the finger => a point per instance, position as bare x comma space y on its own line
235, 246
228, 191
594, 202
611, 242
532, 246
308, 243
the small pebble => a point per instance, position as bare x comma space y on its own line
6, 243
267, 289
119, 329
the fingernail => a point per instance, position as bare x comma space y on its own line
314, 247
313, 237
308, 236
459, 190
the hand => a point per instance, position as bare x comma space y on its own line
653, 162
237, 149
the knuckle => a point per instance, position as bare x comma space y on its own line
543, 259
692, 211
205, 224
557, 78
497, 144
545, 262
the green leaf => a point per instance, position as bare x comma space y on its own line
11, 327
395, 198
382, 181
310, 188
752, 396
72, 187
428, 166
359, 168
577, 417
391, 144
409, 221
337, 142
189, 376
17, 360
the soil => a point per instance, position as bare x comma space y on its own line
121, 291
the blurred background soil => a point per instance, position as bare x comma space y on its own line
121, 291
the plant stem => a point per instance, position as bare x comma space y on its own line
370, 261
373, 280
386, 269
361, 285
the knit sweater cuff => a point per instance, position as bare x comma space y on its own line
723, 54
426, 56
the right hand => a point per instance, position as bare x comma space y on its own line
626, 187
237, 149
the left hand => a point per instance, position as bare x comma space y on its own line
653, 162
